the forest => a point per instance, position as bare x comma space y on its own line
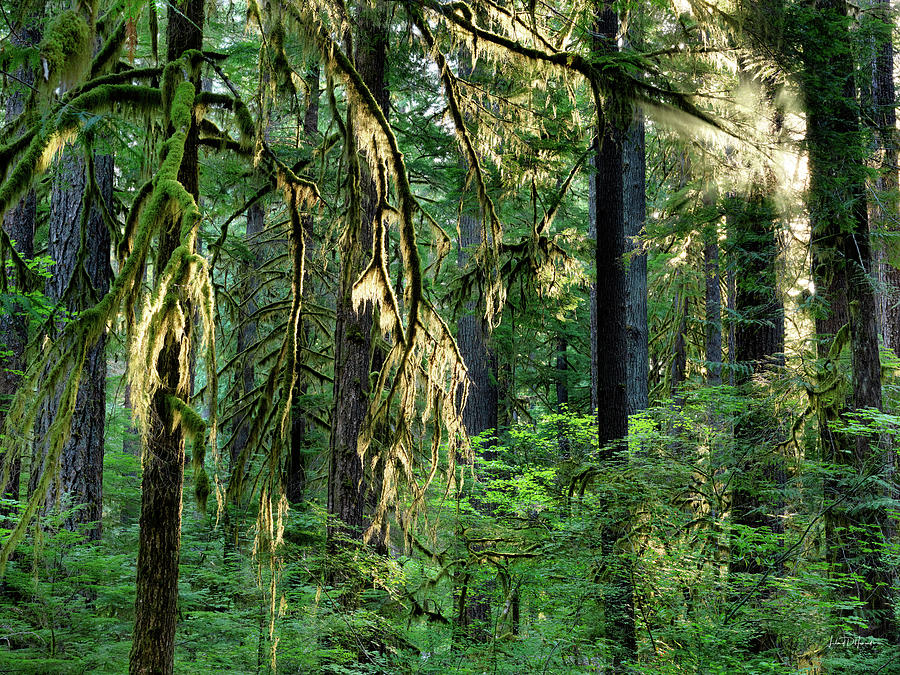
449, 336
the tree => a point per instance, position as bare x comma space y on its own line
79, 244
759, 346
295, 467
612, 337
353, 327
153, 645
884, 207
18, 223
635, 186
842, 262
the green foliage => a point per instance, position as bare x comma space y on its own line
720, 508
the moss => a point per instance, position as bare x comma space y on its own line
65, 51
137, 99
124, 248
19, 178
242, 115
14, 148
186, 417
43, 143
109, 52
201, 484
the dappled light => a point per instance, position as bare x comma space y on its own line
413, 336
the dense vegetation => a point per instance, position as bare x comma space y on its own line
411, 336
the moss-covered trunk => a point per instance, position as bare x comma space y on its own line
295, 467
153, 647
353, 326
19, 225
842, 259
79, 244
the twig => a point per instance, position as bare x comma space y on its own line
20, 81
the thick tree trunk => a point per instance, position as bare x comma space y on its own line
842, 259
885, 207
611, 296
19, 225
635, 204
885, 211
592, 234
480, 415
353, 329
480, 412
80, 247
153, 646
612, 340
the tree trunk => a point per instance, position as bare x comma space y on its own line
353, 329
480, 412
611, 296
842, 259
295, 468
759, 343
153, 646
247, 335
19, 225
562, 377
81, 277
713, 306
885, 208
612, 340
592, 234
636, 276
480, 415
678, 367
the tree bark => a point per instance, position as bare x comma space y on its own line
612, 338
592, 235
885, 211
885, 207
19, 225
480, 415
713, 306
635, 205
842, 260
353, 329
153, 646
81, 277
295, 467
480, 412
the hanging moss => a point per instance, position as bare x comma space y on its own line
242, 115
65, 51
184, 416
109, 52
183, 283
